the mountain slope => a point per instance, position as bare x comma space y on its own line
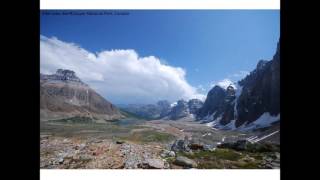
64, 95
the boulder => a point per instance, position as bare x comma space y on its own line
152, 164
181, 145
195, 146
119, 142
185, 162
166, 153
240, 145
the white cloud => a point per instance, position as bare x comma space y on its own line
121, 76
224, 83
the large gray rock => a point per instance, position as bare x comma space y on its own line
181, 145
152, 164
185, 162
165, 153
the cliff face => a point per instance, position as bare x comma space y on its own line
260, 91
256, 96
64, 95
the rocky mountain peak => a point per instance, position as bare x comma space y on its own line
230, 91
64, 75
180, 110
261, 64
181, 102
194, 105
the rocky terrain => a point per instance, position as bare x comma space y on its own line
64, 95
158, 144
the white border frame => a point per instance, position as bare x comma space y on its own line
186, 174
160, 174
159, 4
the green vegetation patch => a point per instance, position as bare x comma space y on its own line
149, 136
83, 120
224, 159
131, 115
226, 154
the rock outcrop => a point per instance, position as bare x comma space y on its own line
62, 75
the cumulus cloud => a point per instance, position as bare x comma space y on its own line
224, 83
121, 76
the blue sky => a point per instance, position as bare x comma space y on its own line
210, 45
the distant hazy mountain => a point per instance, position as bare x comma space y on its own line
164, 110
184, 108
64, 95
254, 102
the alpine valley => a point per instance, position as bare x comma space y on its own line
237, 127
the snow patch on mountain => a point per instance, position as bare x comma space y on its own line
238, 93
265, 120
264, 137
209, 117
216, 122
225, 83
231, 125
173, 104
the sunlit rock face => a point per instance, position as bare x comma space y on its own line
64, 95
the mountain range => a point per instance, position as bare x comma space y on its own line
251, 103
